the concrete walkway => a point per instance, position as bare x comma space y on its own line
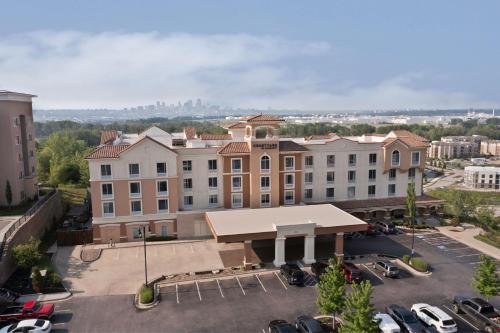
467, 237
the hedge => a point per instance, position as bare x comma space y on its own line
406, 259
420, 265
159, 238
146, 295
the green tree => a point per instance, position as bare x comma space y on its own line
486, 218
462, 205
411, 209
331, 290
485, 280
8, 194
359, 311
36, 280
28, 254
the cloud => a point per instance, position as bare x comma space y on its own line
73, 69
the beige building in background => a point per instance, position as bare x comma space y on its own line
17, 147
487, 178
490, 147
451, 147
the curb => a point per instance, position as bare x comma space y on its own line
88, 261
28, 297
412, 270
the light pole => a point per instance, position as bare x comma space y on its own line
143, 234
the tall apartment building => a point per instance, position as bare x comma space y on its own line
490, 147
456, 147
168, 181
17, 138
476, 177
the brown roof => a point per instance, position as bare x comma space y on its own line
291, 146
108, 136
190, 133
408, 138
237, 125
263, 117
235, 148
107, 151
216, 137
320, 137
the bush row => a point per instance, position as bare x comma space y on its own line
146, 295
418, 263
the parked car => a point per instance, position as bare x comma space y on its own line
482, 313
281, 326
318, 268
435, 317
28, 325
405, 319
30, 310
386, 227
293, 274
306, 324
372, 229
386, 323
388, 269
351, 272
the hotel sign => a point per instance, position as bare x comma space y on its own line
265, 145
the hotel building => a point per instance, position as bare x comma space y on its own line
487, 178
490, 147
451, 147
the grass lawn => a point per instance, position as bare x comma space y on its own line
73, 195
492, 239
17, 210
485, 198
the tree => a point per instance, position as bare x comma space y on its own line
8, 194
485, 280
486, 218
359, 312
331, 290
411, 209
36, 280
462, 205
28, 254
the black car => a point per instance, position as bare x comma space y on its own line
281, 326
306, 324
318, 268
292, 273
405, 319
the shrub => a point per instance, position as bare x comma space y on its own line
420, 265
146, 295
159, 238
28, 254
406, 259
52, 279
36, 280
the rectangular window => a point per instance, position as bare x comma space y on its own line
330, 177
330, 192
137, 233
108, 209
371, 190
265, 183
415, 158
351, 192
30, 137
105, 171
163, 205
212, 165
392, 174
391, 190
212, 183
188, 184
372, 175
308, 177
372, 159
213, 200
411, 173
265, 200
289, 180
107, 191
136, 207
330, 161
164, 231
289, 163
133, 170
135, 189
309, 161
187, 166
289, 197
18, 140
188, 201
236, 182
236, 200
161, 169
308, 193
162, 187
352, 160
351, 176
236, 165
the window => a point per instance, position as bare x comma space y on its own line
18, 140
289, 163
309, 161
163, 205
330, 192
161, 169
411, 173
351, 192
392, 174
32, 170
391, 190
213, 200
136, 207
31, 153
415, 158
308, 177
308, 193
371, 190
105, 171
20, 175
236, 200
133, 170
162, 187
188, 184
212, 165
136, 233
265, 183
351, 176
187, 166
372, 159
236, 183
395, 157
236, 165
164, 230
330, 177
264, 164
135, 189
212, 183
330, 161
289, 197
107, 191
265, 200
289, 180
30, 137
20, 157
188, 201
372, 175
352, 159
108, 209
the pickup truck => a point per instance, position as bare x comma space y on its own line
481, 313
30, 310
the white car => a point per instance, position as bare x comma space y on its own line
435, 317
28, 325
387, 324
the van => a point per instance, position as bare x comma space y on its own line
386, 227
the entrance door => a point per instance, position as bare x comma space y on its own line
294, 248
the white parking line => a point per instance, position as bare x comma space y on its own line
376, 275
137, 253
280, 280
198, 287
468, 255
192, 248
257, 276
117, 254
243, 290
177, 292
156, 251
458, 248
459, 316
263, 331
220, 289
173, 249
473, 263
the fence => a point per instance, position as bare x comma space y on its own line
74, 237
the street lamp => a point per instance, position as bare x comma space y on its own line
142, 233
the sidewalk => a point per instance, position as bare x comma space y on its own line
140, 243
467, 237
44, 297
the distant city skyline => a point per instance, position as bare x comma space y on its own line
253, 55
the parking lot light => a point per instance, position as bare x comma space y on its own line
142, 233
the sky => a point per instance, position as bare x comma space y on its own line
299, 55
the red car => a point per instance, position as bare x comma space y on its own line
352, 273
30, 310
